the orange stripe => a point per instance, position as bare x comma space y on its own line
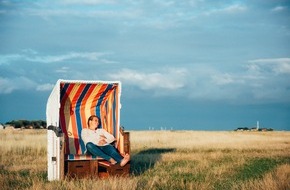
110, 110
83, 106
99, 90
88, 106
103, 116
110, 116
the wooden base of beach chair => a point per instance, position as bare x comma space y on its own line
106, 170
81, 168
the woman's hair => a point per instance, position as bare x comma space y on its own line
91, 118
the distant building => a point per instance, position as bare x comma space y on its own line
255, 128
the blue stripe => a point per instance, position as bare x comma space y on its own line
63, 90
78, 116
100, 100
106, 118
71, 156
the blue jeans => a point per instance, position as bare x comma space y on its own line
107, 152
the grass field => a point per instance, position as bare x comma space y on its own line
162, 160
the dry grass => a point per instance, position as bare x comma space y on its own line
162, 160
205, 139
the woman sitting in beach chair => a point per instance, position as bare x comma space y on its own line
98, 143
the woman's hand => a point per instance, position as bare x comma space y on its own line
103, 140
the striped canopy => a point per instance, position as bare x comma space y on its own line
81, 99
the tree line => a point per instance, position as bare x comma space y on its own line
35, 124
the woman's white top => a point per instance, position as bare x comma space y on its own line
94, 136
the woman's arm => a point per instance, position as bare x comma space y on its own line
109, 137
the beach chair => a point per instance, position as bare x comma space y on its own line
68, 108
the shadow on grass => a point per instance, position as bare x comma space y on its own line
253, 169
146, 159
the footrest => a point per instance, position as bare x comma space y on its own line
107, 169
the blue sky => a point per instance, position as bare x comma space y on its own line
196, 64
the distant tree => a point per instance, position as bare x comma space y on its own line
26, 123
17, 124
43, 124
36, 124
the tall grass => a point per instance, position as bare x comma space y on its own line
162, 160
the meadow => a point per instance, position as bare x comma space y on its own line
162, 160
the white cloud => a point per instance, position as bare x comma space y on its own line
83, 9
29, 51
234, 9
8, 85
45, 87
231, 9
273, 60
5, 86
252, 84
279, 9
92, 56
277, 65
88, 2
62, 70
33, 56
223, 79
171, 79
6, 59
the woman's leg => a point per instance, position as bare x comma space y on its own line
97, 151
112, 151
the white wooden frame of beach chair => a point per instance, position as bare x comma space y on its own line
69, 105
